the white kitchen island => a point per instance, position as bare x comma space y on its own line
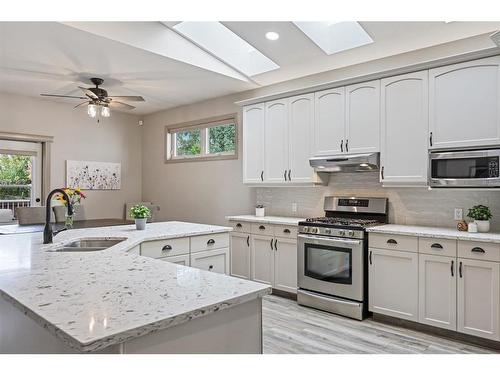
117, 301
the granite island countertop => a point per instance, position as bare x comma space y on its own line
434, 232
92, 300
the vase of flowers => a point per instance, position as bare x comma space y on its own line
140, 214
75, 197
481, 215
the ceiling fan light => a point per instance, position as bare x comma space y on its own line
105, 111
92, 110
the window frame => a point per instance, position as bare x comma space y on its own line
203, 125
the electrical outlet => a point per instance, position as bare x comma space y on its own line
294, 207
459, 214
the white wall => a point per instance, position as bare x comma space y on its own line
207, 191
77, 137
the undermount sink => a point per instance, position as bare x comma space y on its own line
90, 245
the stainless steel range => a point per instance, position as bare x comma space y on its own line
332, 255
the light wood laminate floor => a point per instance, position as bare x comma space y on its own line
290, 328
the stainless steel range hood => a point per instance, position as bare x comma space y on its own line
347, 163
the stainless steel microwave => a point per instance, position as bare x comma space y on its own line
464, 168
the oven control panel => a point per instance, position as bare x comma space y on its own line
332, 232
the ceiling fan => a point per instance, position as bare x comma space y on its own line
97, 100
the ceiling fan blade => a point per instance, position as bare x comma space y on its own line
78, 105
120, 105
64, 96
89, 93
130, 98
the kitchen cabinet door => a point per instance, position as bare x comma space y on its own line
464, 104
363, 118
329, 122
262, 258
285, 265
212, 260
478, 298
240, 255
393, 283
253, 143
183, 260
276, 141
404, 122
437, 291
300, 137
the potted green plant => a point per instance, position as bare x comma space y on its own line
481, 215
140, 214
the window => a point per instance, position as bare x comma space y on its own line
203, 140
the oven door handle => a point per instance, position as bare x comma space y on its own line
331, 240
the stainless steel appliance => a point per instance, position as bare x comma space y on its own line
346, 163
332, 255
464, 168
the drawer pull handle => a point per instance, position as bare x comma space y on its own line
392, 242
478, 250
238, 225
437, 246
262, 227
287, 231
210, 268
211, 241
166, 248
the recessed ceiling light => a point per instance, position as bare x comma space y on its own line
271, 35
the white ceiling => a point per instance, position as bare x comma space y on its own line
152, 60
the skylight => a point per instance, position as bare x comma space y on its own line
227, 46
333, 37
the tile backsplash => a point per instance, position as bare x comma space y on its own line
415, 206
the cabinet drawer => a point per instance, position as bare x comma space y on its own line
209, 242
213, 260
183, 260
165, 248
479, 250
241, 226
437, 246
393, 242
263, 229
285, 231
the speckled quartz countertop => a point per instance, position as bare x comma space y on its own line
434, 232
280, 220
92, 300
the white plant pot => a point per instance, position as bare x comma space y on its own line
482, 225
140, 224
260, 212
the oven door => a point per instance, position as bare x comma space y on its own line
332, 266
478, 168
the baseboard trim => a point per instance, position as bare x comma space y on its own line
456, 336
288, 295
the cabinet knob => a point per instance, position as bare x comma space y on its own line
211, 241
392, 241
210, 267
262, 227
238, 225
287, 231
166, 248
437, 246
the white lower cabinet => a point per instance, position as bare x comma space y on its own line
262, 255
393, 283
285, 264
212, 260
183, 260
240, 255
478, 298
437, 291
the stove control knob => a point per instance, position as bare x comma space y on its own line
328, 231
342, 233
305, 229
351, 233
314, 230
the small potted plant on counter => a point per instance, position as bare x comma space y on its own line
481, 215
140, 214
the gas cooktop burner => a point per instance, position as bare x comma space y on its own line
342, 221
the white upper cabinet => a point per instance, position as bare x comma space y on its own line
404, 123
300, 137
253, 143
362, 118
276, 141
464, 104
329, 122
